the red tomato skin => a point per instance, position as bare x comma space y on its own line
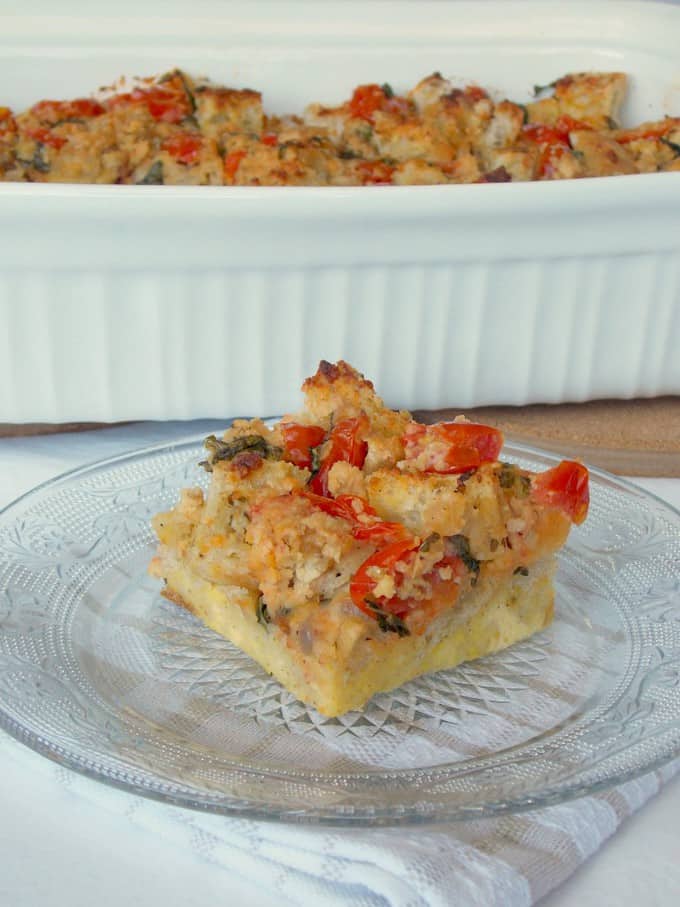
469, 445
564, 487
366, 100
80, 108
43, 135
362, 585
299, 440
232, 162
344, 444
365, 522
184, 147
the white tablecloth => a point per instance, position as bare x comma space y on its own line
65, 840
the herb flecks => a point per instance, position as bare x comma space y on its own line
511, 479
39, 161
315, 453
427, 543
539, 89
459, 546
521, 571
262, 612
387, 90
463, 477
226, 450
154, 175
674, 146
388, 622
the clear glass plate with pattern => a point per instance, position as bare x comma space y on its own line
102, 674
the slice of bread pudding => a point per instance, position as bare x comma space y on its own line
348, 548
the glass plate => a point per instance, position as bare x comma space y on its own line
103, 675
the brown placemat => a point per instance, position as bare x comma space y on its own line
630, 437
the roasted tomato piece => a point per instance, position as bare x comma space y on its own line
162, 103
346, 506
184, 147
231, 164
452, 447
367, 99
564, 487
366, 524
270, 138
345, 443
375, 173
363, 584
300, 440
43, 135
54, 111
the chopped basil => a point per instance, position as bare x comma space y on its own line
316, 459
388, 622
672, 145
521, 571
365, 133
511, 479
154, 175
525, 114
227, 450
263, 615
459, 546
539, 89
38, 160
427, 543
387, 90
187, 91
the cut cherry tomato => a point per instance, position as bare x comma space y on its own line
373, 173
232, 162
53, 111
362, 585
270, 138
184, 147
366, 524
381, 532
345, 444
366, 100
452, 447
300, 440
545, 135
43, 135
564, 487
162, 104
553, 141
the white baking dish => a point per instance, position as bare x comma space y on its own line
159, 302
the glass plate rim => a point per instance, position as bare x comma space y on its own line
390, 816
